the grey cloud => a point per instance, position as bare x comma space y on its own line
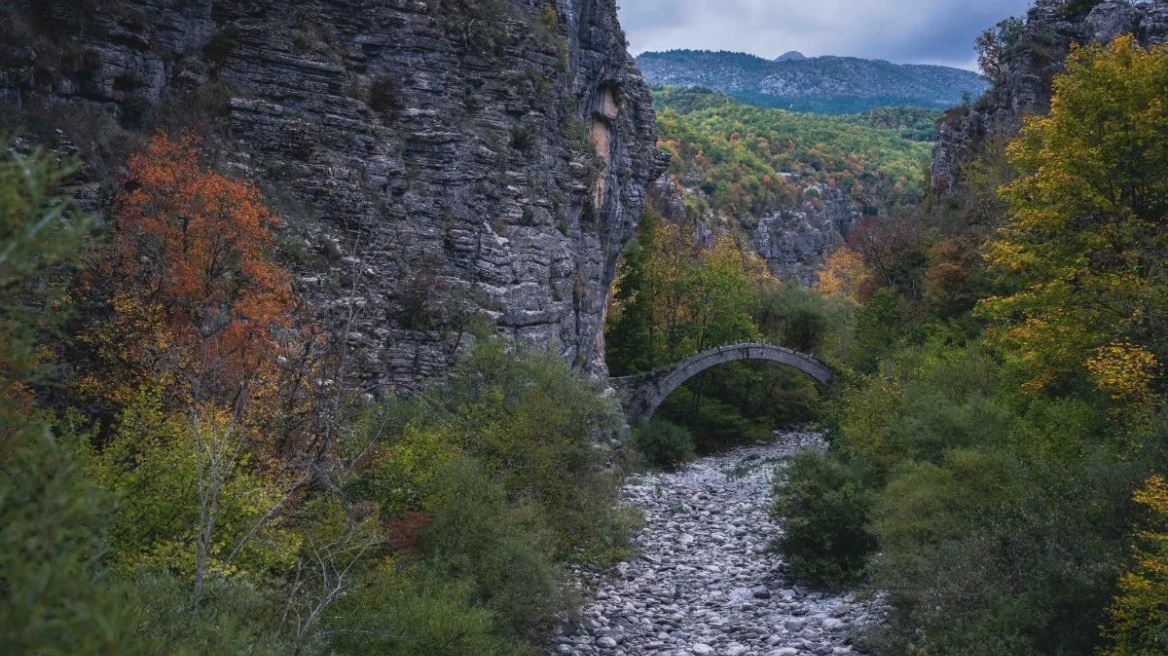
903, 31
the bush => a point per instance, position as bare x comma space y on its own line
803, 319
406, 615
385, 96
50, 532
488, 484
990, 554
232, 617
500, 550
924, 402
534, 424
825, 502
663, 444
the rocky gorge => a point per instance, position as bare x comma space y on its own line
1033, 50
705, 580
438, 164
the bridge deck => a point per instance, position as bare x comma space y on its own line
642, 393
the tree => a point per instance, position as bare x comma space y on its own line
195, 291
844, 274
1084, 256
675, 298
994, 43
1139, 613
200, 319
50, 517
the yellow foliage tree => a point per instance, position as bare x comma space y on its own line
1085, 255
1139, 613
844, 273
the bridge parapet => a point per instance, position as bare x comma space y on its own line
641, 394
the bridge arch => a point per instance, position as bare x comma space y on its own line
643, 393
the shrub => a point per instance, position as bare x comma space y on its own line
663, 444
825, 502
414, 614
399, 477
802, 319
923, 402
385, 96
51, 536
232, 617
989, 554
501, 550
50, 530
534, 424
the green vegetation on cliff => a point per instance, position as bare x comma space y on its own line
997, 461
748, 161
189, 479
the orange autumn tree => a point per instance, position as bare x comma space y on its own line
845, 274
200, 320
192, 273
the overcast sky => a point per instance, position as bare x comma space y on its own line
900, 31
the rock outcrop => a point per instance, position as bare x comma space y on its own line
794, 239
795, 243
1029, 63
440, 164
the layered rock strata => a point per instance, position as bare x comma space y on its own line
443, 166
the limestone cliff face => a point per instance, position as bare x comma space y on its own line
796, 242
794, 238
439, 162
1029, 66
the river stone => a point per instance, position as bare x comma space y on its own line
712, 595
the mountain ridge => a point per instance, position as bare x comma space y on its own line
824, 85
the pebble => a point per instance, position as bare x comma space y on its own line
704, 581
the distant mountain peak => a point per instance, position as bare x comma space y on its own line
823, 85
791, 55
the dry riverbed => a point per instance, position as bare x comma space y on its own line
705, 581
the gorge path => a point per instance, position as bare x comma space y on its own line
703, 580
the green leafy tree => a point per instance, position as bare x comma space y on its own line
1139, 613
50, 517
1084, 256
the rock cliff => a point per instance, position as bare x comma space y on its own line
1033, 54
794, 239
440, 164
796, 242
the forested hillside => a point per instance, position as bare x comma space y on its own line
824, 85
998, 460
792, 185
748, 160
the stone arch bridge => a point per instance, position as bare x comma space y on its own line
643, 393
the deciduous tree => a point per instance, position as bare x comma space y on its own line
1084, 255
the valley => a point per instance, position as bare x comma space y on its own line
448, 327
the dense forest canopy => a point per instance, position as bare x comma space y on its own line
748, 161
